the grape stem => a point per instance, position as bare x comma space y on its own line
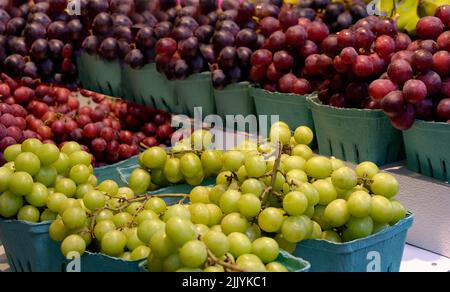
224, 264
276, 167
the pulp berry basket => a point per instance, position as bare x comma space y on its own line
356, 135
97, 262
29, 247
149, 87
113, 171
427, 147
291, 108
292, 263
380, 252
195, 93
100, 75
234, 99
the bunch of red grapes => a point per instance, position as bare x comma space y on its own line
417, 82
112, 130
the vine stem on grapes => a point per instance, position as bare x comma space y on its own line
224, 264
269, 190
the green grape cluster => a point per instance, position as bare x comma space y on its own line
40, 181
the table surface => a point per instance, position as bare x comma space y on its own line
414, 260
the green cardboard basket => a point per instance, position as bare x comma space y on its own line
292, 263
29, 247
100, 75
234, 99
196, 91
149, 87
98, 262
427, 146
356, 135
113, 171
380, 252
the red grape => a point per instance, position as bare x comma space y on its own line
443, 109
406, 119
283, 60
443, 13
357, 92
296, 36
261, 57
286, 82
414, 90
403, 55
310, 48
269, 25
402, 41
432, 80
5, 91
338, 100
346, 38
393, 103
400, 71
164, 131
443, 41
107, 134
301, 86
380, 87
429, 27
364, 38
340, 66
125, 151
276, 41
385, 46
441, 63
424, 108
317, 31
273, 74
98, 145
150, 141
23, 94
90, 131
126, 137
386, 27
445, 89
422, 60
363, 66
15, 133
349, 55
7, 141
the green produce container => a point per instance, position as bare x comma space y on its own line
100, 75
356, 135
196, 91
29, 247
149, 87
292, 263
234, 99
291, 108
113, 171
427, 147
97, 262
380, 252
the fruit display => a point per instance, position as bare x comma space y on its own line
110, 129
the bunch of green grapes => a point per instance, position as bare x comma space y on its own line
40, 181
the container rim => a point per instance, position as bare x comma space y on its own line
277, 93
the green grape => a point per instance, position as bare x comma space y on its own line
398, 210
172, 263
344, 178
223, 178
10, 204
276, 267
57, 230
133, 240
201, 139
47, 215
239, 244
126, 256
358, 228
337, 213
200, 213
104, 215
249, 205
126, 193
253, 232
46, 175
266, 249
378, 227
10, 166
122, 219
303, 135
199, 194
139, 181
148, 228
31, 145
28, 213
270, 164
109, 186
316, 231
146, 215
271, 219
384, 184
310, 192
252, 186
217, 243
212, 161
234, 186
216, 228
158, 178
293, 163
181, 211
102, 228
74, 218
48, 154
330, 235
336, 163
366, 170
20, 183
82, 190
318, 167
216, 192
191, 165
5, 174
62, 165
80, 174
318, 216
66, 186
215, 214
303, 151
156, 205
255, 166
73, 243
297, 175
193, 254
196, 180
214, 269
201, 229
327, 192
234, 222
79, 157
68, 203
180, 230
280, 134
242, 174
295, 203
38, 195
382, 210
250, 263
359, 204
113, 242
294, 229
12, 151
309, 212
94, 200
134, 208
54, 201
161, 245
233, 160
279, 181
70, 147
93, 180
172, 170
229, 201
